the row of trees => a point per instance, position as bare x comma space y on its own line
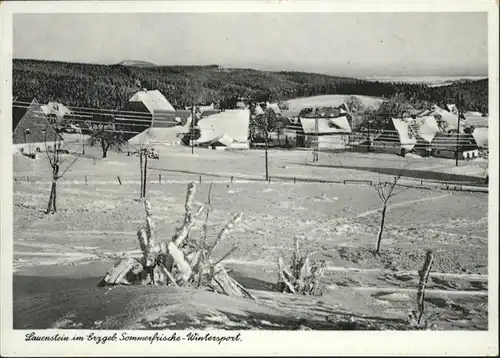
86, 85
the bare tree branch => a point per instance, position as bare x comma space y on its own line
69, 166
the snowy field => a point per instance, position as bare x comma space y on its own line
97, 220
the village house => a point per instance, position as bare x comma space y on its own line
32, 132
403, 135
329, 125
228, 129
56, 112
153, 110
447, 145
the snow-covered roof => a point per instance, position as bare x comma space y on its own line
448, 118
158, 135
153, 100
326, 125
34, 127
427, 128
55, 108
258, 110
409, 129
230, 123
476, 119
274, 107
481, 137
406, 137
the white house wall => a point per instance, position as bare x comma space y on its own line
332, 142
32, 147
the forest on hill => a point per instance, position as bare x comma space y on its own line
111, 86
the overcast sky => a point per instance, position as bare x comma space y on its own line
351, 44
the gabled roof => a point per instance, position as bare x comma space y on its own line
19, 109
476, 119
36, 122
449, 119
274, 107
153, 100
407, 137
448, 141
427, 127
54, 108
410, 132
481, 136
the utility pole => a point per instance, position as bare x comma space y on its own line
266, 133
83, 143
316, 141
458, 129
146, 154
192, 128
142, 172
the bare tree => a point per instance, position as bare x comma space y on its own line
280, 130
194, 88
264, 124
399, 106
385, 192
106, 132
354, 104
56, 161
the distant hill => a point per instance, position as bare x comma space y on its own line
137, 63
111, 86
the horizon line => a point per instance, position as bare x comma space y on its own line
253, 68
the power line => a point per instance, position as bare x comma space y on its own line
105, 110
126, 119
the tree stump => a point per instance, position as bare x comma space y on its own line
177, 262
304, 274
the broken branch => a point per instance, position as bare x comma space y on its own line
225, 231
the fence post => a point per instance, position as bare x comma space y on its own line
85, 180
231, 178
200, 178
119, 181
294, 180
159, 178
